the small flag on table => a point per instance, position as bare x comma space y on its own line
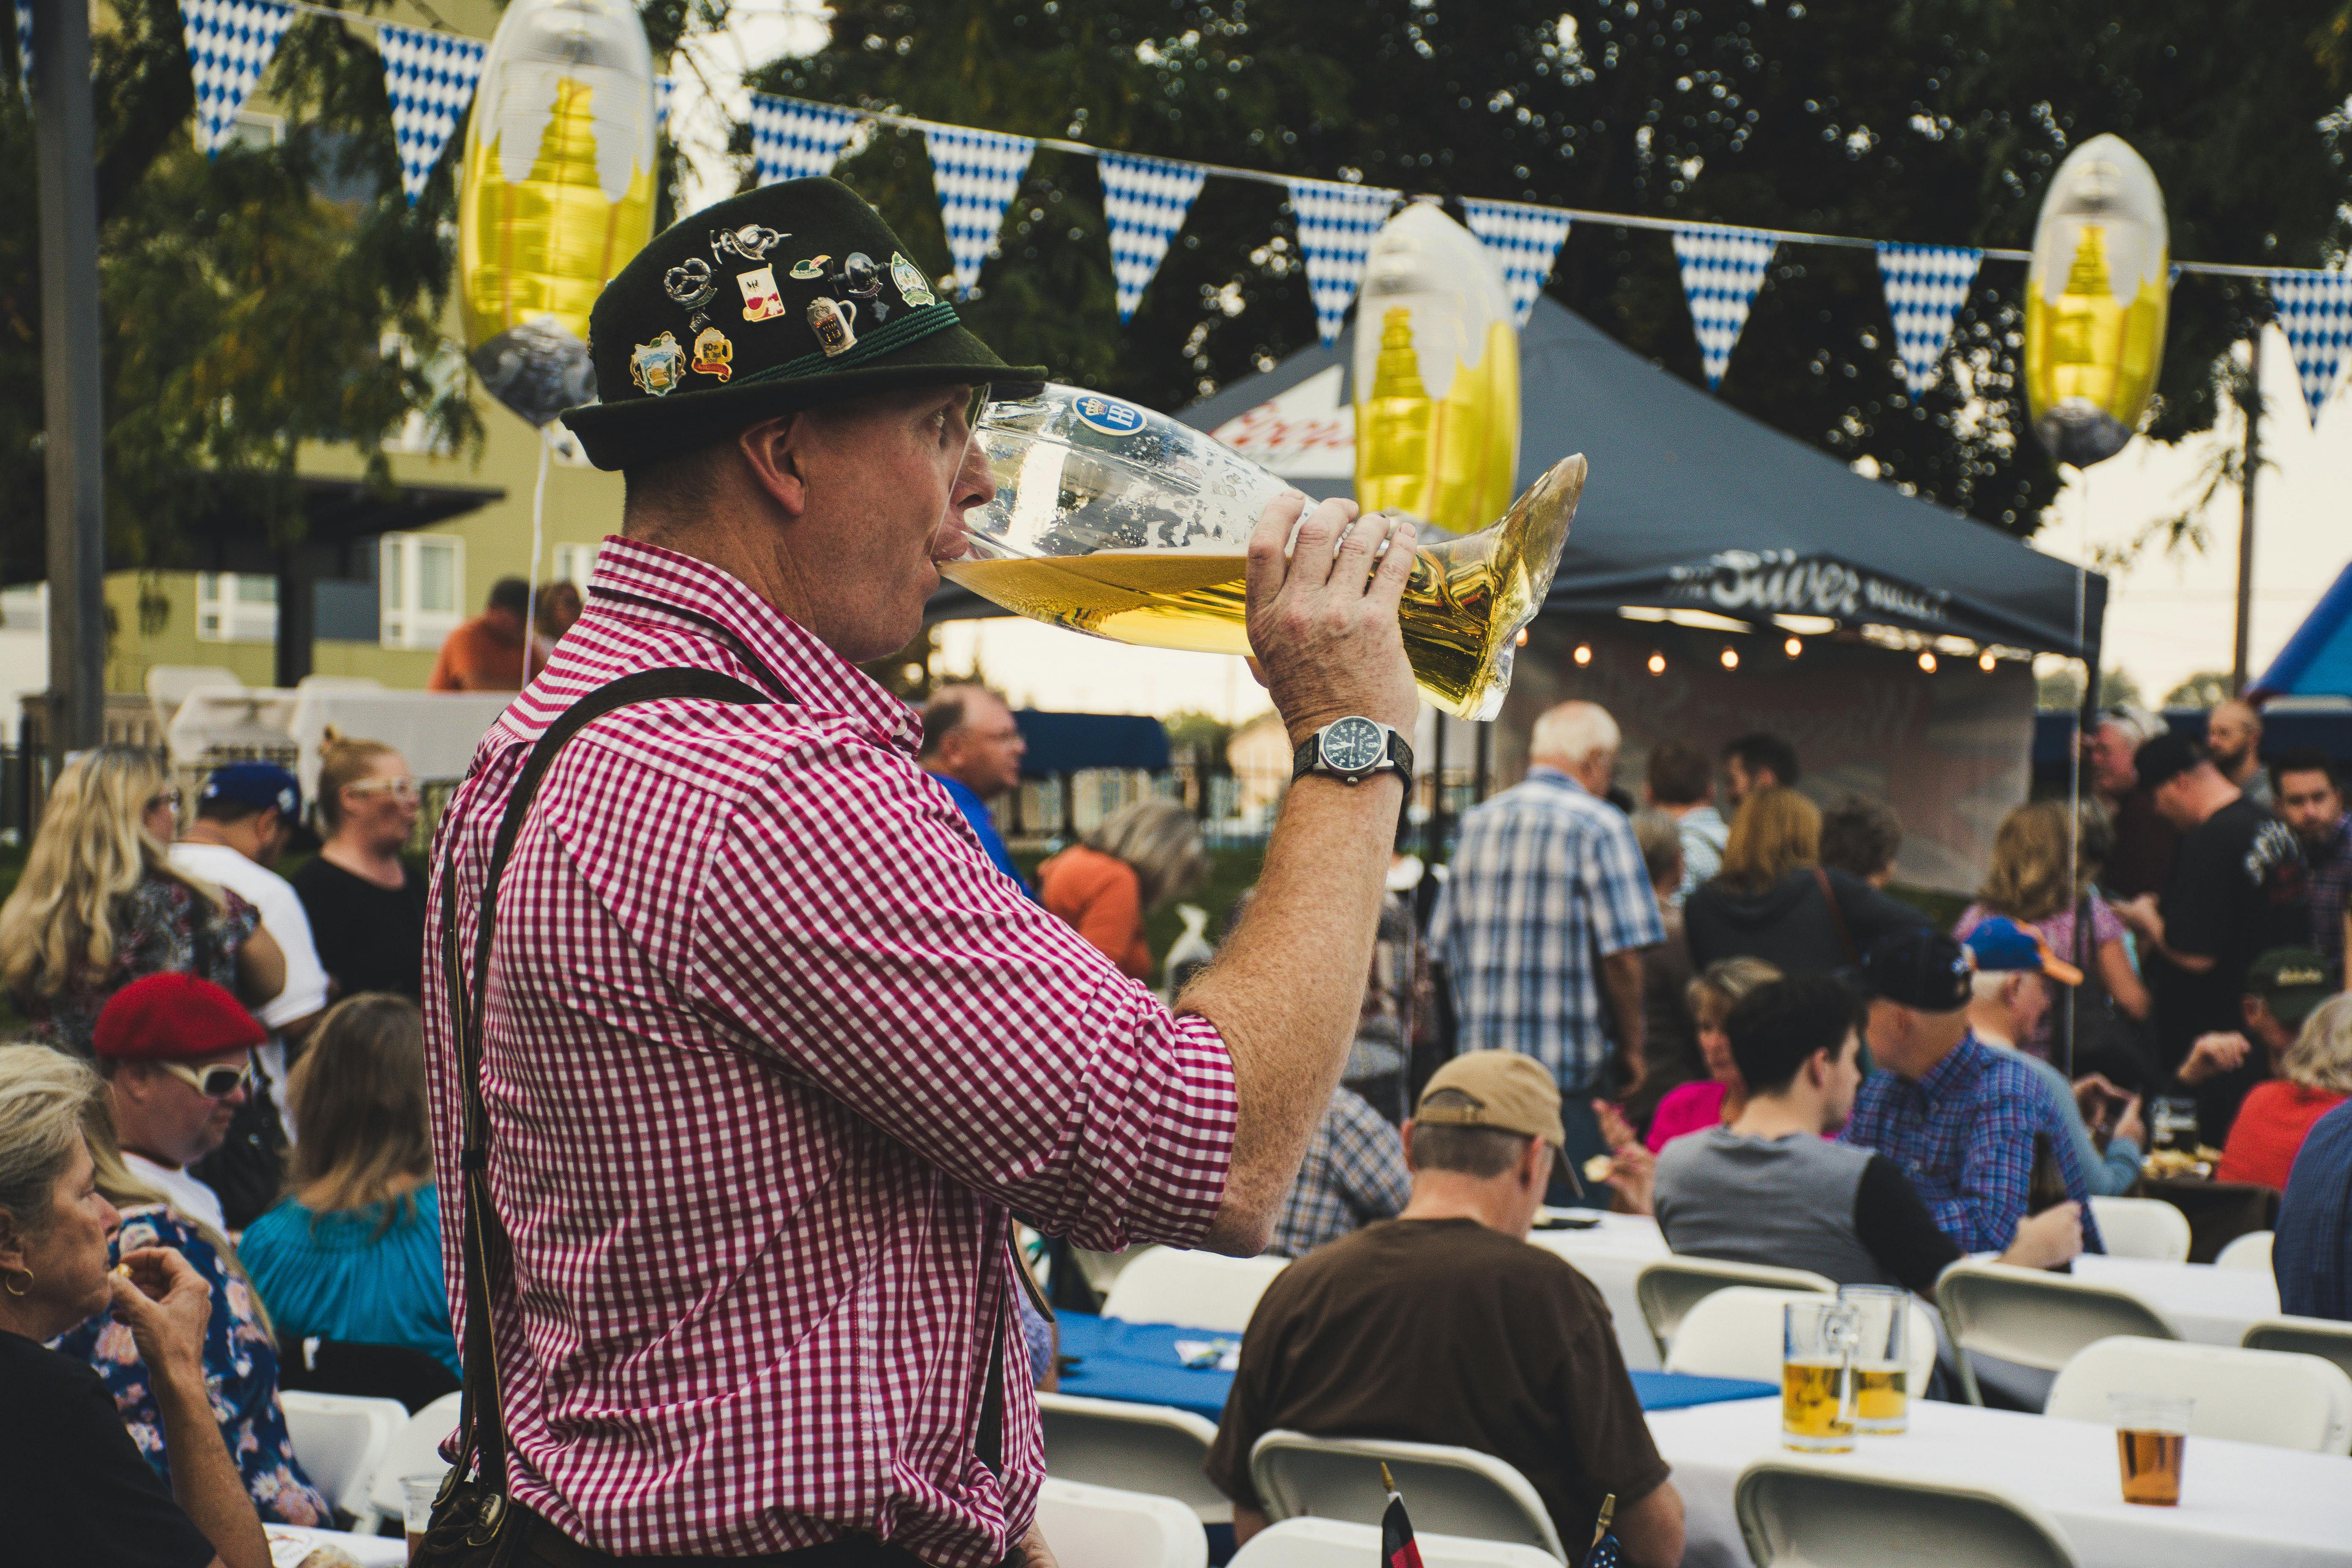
1604, 1552
1397, 1549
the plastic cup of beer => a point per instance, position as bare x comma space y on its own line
417, 1493
1816, 1407
2151, 1439
1881, 1368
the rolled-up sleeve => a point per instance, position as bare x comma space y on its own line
852, 930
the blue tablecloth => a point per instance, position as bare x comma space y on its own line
1136, 1363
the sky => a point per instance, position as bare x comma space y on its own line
2169, 616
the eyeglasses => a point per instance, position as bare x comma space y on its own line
168, 796
404, 789
981, 396
218, 1081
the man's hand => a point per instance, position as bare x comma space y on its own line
2214, 1055
2047, 1239
1033, 1551
2142, 916
167, 1304
1323, 618
2130, 1124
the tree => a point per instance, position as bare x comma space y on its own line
1936, 121
2206, 688
249, 302
2062, 690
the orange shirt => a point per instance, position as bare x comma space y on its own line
1102, 897
483, 655
2270, 1130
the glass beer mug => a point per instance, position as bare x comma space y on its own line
1113, 520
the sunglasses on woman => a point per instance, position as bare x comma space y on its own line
218, 1081
404, 789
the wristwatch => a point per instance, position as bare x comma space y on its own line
1353, 749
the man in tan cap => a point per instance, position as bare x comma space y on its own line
1444, 1326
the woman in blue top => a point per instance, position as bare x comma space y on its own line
355, 1255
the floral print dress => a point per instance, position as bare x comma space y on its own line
240, 1371
162, 926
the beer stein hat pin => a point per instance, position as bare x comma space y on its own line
800, 339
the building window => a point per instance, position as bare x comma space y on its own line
423, 588
573, 562
236, 606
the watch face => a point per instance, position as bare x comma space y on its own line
1353, 745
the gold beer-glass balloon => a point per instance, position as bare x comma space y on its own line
1113, 520
2096, 296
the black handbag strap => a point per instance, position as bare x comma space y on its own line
481, 1418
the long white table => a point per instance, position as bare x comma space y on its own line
2241, 1505
2210, 1306
1609, 1254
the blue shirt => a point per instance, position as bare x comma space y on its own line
346, 1276
1545, 878
983, 826
1964, 1134
2311, 1255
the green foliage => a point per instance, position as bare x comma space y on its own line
246, 301
2062, 690
1189, 729
1932, 121
2206, 688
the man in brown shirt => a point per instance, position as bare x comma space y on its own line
486, 653
1444, 1326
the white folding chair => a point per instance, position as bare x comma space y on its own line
1454, 1491
1330, 1543
415, 1449
2250, 1252
1737, 1332
2278, 1398
341, 1440
1669, 1288
1101, 1527
1152, 1448
1813, 1513
2323, 1336
2142, 1227
2033, 1318
1195, 1289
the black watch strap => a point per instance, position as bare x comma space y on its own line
1400, 757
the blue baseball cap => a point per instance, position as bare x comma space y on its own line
2001, 945
262, 785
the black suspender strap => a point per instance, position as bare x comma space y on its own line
481, 1419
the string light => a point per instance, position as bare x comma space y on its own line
1793, 647
1731, 658
1583, 654
1657, 664
1927, 661
1985, 661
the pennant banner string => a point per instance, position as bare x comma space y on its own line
230, 43
792, 140
1524, 239
429, 79
2315, 310
1144, 204
1722, 269
975, 174
1925, 287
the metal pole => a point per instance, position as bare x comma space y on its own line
2238, 674
65, 144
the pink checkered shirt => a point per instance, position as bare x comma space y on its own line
771, 1051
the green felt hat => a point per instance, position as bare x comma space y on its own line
788, 297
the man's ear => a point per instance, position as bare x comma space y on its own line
1406, 1132
2253, 1010
776, 454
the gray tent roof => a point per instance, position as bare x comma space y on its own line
1692, 504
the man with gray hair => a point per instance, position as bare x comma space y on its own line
1544, 916
972, 747
2145, 842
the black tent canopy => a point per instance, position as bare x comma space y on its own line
1694, 505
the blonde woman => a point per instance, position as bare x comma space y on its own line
1139, 857
2036, 882
366, 907
1774, 900
100, 905
2314, 1077
355, 1255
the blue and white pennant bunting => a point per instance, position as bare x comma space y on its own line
2315, 309
975, 173
793, 140
1524, 239
1144, 202
25, 45
1722, 269
1925, 287
1337, 224
229, 46
429, 79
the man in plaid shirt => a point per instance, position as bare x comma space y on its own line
1354, 1173
1546, 909
2310, 799
771, 1050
